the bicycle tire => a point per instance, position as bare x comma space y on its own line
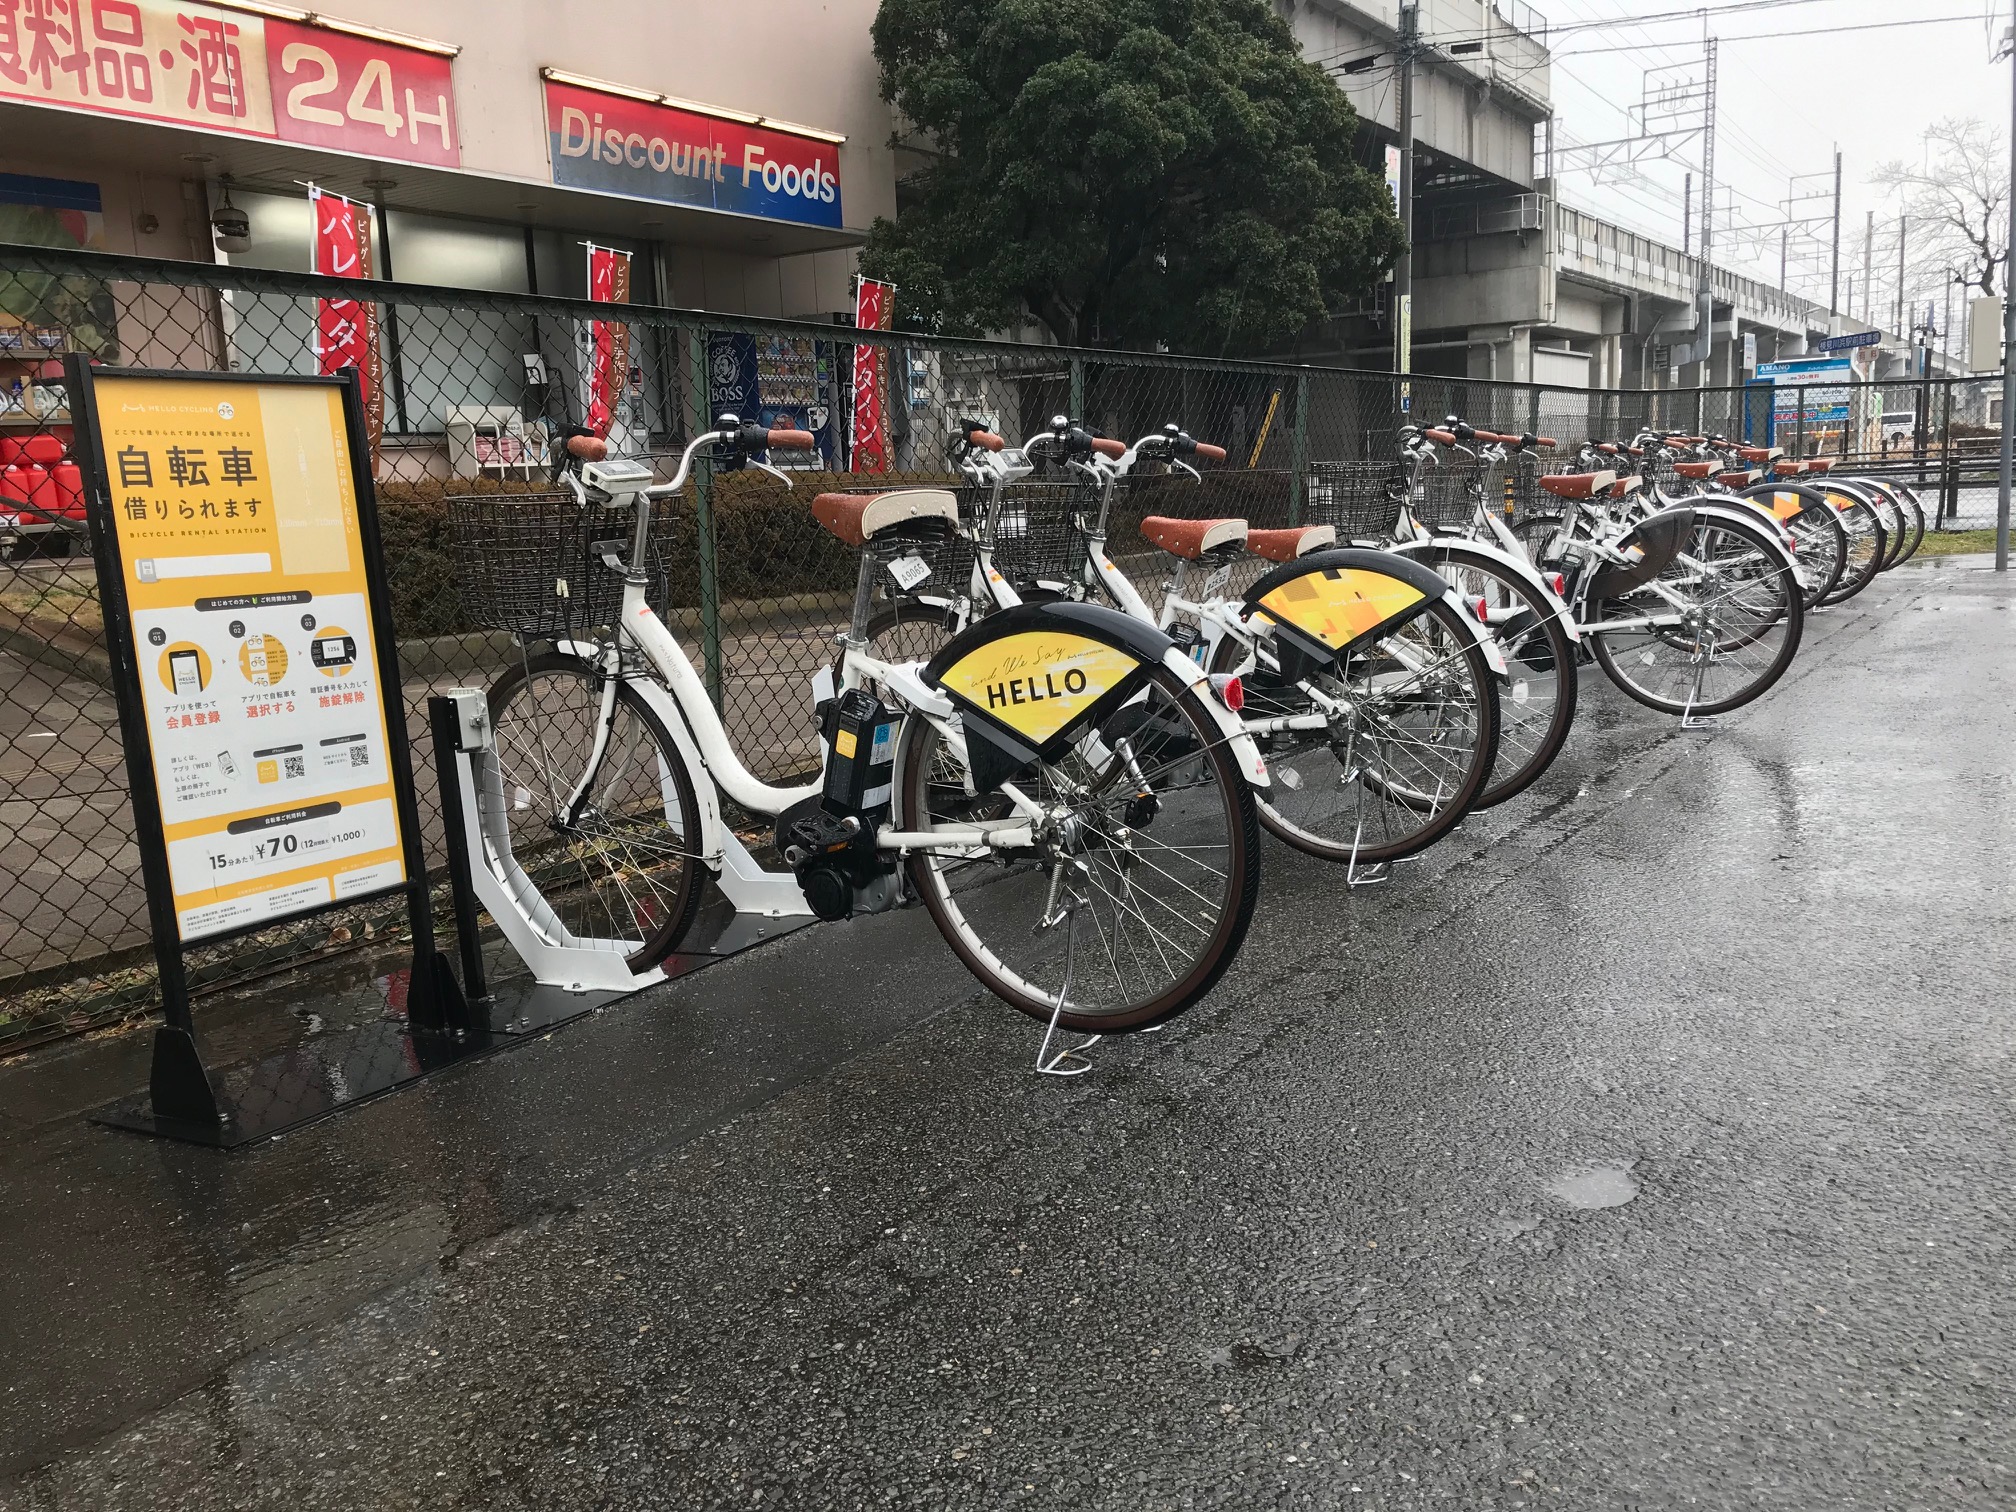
1822, 549
1511, 772
1910, 530
1606, 645
605, 871
908, 630
1867, 545
1909, 496
1446, 816
928, 875
1889, 514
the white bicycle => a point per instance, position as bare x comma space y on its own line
1062, 788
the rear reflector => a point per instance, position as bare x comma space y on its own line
1559, 583
1231, 692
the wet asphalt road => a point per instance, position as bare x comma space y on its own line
1647, 1146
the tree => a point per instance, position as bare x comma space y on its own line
1958, 204
1128, 171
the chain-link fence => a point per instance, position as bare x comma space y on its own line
473, 386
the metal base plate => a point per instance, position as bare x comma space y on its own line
330, 1072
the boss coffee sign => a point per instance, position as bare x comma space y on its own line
647, 150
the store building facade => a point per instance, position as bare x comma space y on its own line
490, 143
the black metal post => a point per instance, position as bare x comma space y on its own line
434, 1000
178, 1082
454, 822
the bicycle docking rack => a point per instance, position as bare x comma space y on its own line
570, 976
432, 1021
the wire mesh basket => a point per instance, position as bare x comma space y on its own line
1447, 495
1522, 498
1039, 534
531, 563
1359, 500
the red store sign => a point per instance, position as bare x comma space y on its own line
224, 70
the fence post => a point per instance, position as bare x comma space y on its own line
703, 514
1077, 404
1298, 456
1949, 467
1800, 390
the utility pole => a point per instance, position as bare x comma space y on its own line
1784, 232
1708, 230
1687, 216
1403, 271
1868, 270
1901, 223
1834, 284
2008, 342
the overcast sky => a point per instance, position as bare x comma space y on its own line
1785, 102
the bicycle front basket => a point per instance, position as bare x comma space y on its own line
532, 563
1036, 537
1449, 492
1360, 500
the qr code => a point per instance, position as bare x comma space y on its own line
297, 766
360, 755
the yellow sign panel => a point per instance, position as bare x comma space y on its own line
1036, 682
1338, 605
235, 509
1786, 505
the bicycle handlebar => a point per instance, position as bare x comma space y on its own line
588, 448
1106, 446
790, 440
973, 433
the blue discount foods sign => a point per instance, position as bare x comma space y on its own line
649, 151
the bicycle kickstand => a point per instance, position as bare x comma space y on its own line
1689, 720
1365, 876
1072, 1061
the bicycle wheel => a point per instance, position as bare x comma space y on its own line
1731, 635
1904, 519
1162, 852
908, 630
1867, 544
1888, 515
1915, 512
1820, 540
1409, 743
1537, 707
620, 862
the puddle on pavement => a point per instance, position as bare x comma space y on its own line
1602, 1186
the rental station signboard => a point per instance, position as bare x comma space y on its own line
603, 138
254, 74
259, 702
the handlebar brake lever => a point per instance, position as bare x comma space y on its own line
1178, 464
774, 472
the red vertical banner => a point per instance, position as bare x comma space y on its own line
346, 330
607, 367
874, 310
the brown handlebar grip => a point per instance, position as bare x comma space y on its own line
1107, 447
986, 440
1502, 440
793, 440
1209, 452
1547, 441
1447, 438
587, 448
